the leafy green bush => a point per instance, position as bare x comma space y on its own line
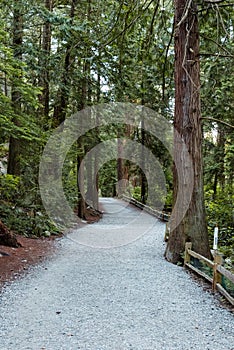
21, 209
9, 187
220, 212
26, 221
136, 193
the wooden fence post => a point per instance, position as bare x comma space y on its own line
217, 277
188, 245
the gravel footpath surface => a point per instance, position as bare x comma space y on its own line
119, 298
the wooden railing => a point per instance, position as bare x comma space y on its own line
158, 214
218, 270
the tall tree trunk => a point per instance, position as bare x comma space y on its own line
45, 76
60, 108
120, 167
85, 95
97, 141
187, 122
80, 184
90, 136
143, 139
14, 143
144, 186
80, 154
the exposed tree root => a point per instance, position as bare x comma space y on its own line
8, 238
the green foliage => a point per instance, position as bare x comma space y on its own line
70, 177
220, 212
26, 221
108, 179
136, 193
9, 187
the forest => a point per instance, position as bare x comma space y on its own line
59, 57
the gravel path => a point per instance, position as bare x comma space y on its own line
119, 298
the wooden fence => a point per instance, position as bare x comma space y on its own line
219, 272
158, 214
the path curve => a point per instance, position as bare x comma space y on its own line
121, 298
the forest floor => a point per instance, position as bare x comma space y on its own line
32, 252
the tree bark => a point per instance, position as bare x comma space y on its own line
80, 185
187, 122
97, 141
45, 75
60, 108
144, 185
85, 96
14, 142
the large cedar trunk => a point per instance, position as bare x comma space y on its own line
187, 121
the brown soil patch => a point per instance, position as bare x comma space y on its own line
32, 252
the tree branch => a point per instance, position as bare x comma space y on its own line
218, 121
214, 1
227, 5
215, 55
129, 25
215, 42
165, 62
114, 25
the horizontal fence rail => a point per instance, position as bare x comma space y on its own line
158, 214
219, 272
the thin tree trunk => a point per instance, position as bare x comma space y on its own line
215, 184
97, 141
45, 76
90, 137
143, 139
60, 108
90, 182
80, 154
85, 95
187, 122
14, 143
120, 171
